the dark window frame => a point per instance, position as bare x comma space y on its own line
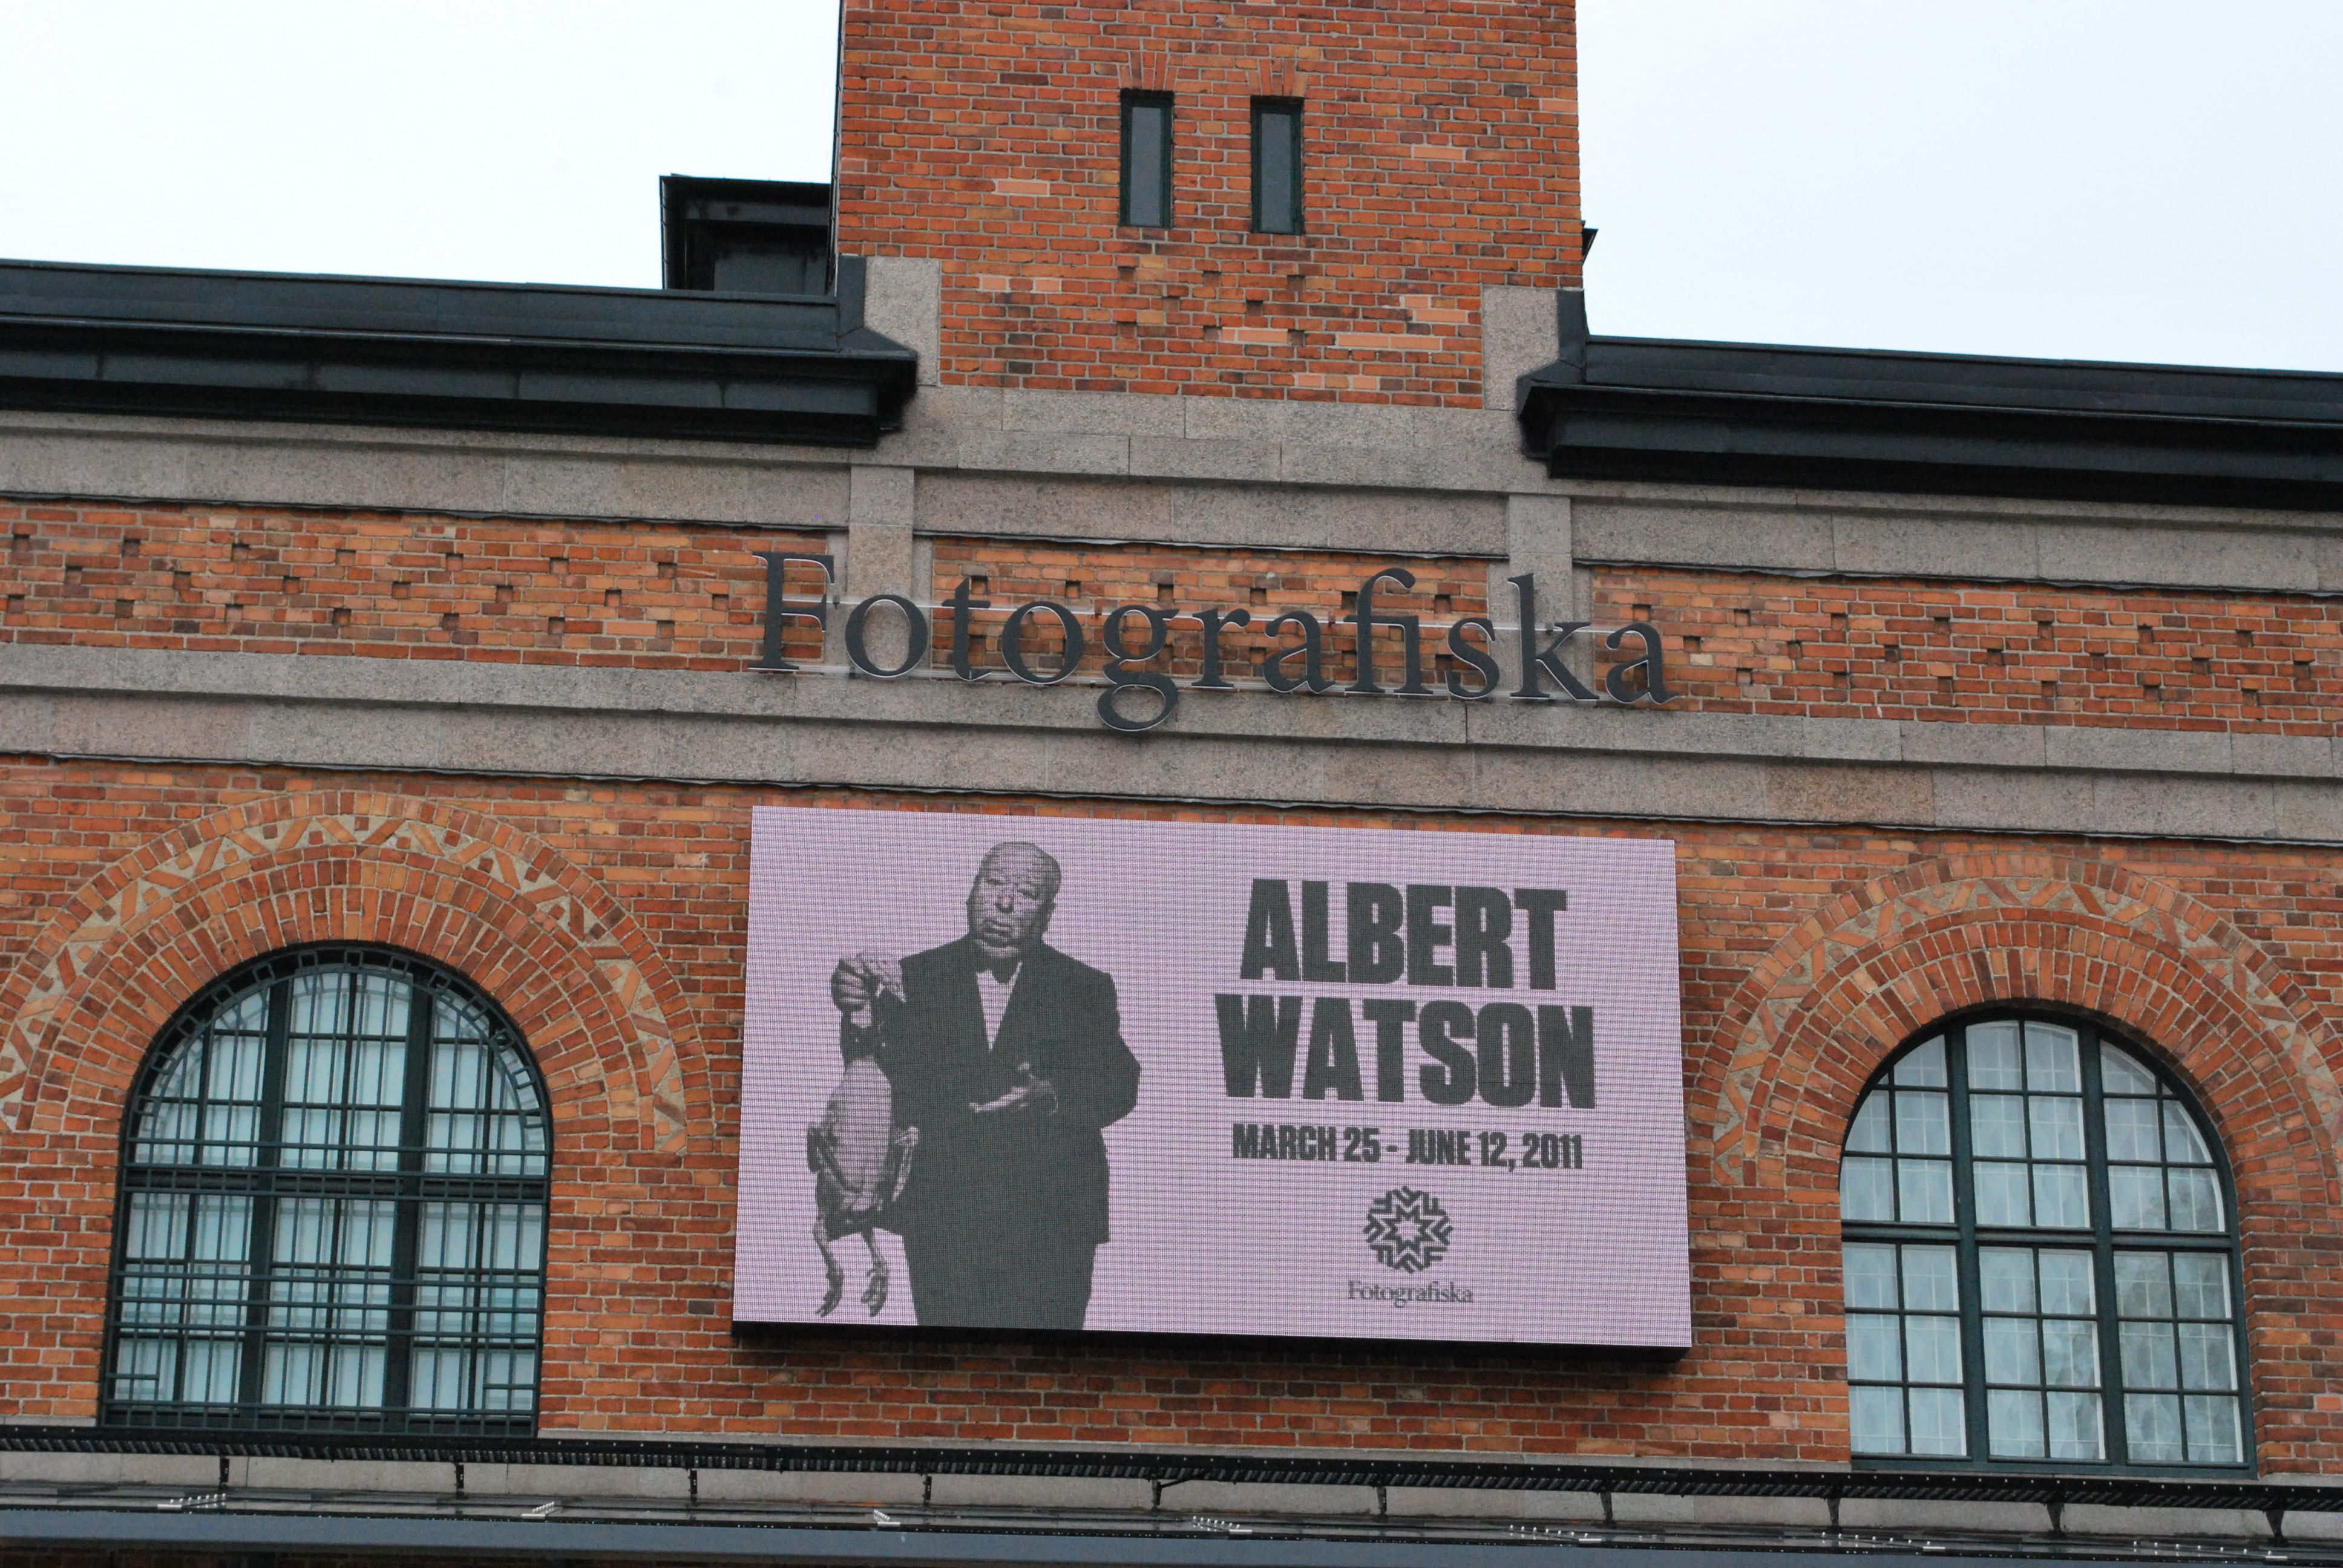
1262, 216
266, 1180
2100, 1239
1125, 217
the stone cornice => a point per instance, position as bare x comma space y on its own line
1237, 749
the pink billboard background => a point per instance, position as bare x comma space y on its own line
1205, 1241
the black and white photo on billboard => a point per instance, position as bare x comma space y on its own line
977, 1076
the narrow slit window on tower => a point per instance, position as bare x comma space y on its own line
1277, 165
1146, 160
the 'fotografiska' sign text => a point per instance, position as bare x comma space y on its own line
1135, 636
1039, 1072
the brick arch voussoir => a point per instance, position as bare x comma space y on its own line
592, 995
1813, 1020
578, 1038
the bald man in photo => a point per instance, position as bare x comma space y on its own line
1007, 1056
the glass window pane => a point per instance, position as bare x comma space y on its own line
2014, 1423
1997, 1126
2029, 1161
2152, 1428
2136, 1197
1922, 1123
1867, 1190
2054, 1059
2007, 1276
2057, 1123
1278, 207
2147, 1356
1931, 1284
1938, 1425
2004, 1194
2012, 1352
1868, 1133
1923, 1067
2195, 1199
2200, 1285
1877, 1416
2213, 1430
1994, 1060
2143, 1285
2062, 1199
2183, 1144
2208, 1356
1145, 203
2069, 1289
2121, 1073
2070, 1353
2074, 1428
201, 1277
1932, 1349
1874, 1348
1925, 1192
2132, 1131
1870, 1275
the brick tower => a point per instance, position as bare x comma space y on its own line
1222, 198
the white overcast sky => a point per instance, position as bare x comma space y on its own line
2114, 179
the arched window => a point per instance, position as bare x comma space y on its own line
2041, 1258
332, 1209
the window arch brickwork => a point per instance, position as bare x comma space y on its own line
603, 1017
1778, 1079
346, 866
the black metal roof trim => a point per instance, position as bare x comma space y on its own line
1174, 1467
530, 356
478, 1532
1745, 413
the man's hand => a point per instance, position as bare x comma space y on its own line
1028, 1090
860, 979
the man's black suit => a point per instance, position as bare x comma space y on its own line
1004, 1211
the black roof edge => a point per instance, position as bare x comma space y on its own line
1765, 414
417, 351
880, 1540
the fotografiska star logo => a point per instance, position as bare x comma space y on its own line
1408, 1229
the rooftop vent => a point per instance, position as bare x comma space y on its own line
745, 237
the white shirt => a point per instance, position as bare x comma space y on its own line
993, 996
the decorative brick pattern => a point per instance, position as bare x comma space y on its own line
1846, 648
1441, 154
1808, 957
390, 585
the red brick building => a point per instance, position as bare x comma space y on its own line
415, 647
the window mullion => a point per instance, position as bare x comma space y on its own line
1957, 1083
414, 1119
2103, 1251
266, 1169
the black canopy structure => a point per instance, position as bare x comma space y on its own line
482, 355
1765, 414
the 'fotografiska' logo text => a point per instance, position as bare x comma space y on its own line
1433, 1293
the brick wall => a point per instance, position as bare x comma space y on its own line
389, 586
1441, 154
660, 596
608, 922
2201, 951
1996, 654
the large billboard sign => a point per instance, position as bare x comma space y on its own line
1042, 1073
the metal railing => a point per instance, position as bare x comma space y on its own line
1164, 1469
